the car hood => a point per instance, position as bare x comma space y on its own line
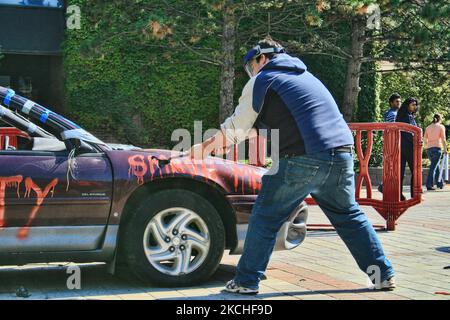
125, 147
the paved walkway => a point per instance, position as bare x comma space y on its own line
321, 268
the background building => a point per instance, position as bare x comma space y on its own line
30, 44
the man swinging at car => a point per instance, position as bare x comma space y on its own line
316, 158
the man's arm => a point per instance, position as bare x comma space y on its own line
235, 129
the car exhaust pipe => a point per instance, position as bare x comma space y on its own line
291, 234
293, 231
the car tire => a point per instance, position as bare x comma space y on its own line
201, 234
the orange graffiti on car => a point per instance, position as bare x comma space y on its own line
207, 169
41, 195
15, 182
240, 173
137, 167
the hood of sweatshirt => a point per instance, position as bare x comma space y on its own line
284, 61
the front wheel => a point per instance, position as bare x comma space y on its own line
174, 238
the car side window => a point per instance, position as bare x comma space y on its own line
48, 144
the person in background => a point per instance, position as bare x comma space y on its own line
436, 144
406, 114
395, 100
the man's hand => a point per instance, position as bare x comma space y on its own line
217, 144
221, 151
196, 152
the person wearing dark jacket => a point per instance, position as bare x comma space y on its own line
395, 100
316, 158
406, 114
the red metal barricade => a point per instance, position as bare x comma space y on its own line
390, 207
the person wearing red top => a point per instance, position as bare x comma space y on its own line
435, 142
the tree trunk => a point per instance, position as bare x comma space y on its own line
353, 68
227, 73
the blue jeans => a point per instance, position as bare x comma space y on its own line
329, 178
434, 154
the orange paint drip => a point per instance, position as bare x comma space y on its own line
138, 168
41, 195
23, 232
254, 186
239, 175
243, 174
258, 183
6, 182
236, 178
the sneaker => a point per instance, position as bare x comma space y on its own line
233, 287
431, 189
386, 285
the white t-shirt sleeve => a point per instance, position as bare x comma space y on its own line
237, 127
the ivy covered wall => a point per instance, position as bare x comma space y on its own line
135, 89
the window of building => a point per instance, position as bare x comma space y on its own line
34, 3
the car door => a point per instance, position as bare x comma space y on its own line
47, 205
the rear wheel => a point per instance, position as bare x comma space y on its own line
174, 238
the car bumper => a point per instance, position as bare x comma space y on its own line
291, 234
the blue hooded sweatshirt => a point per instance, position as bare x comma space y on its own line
285, 96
